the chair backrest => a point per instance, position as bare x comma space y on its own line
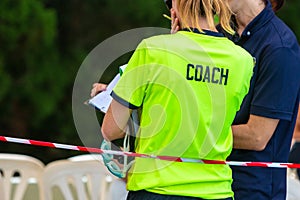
116, 187
22, 167
86, 157
87, 178
117, 190
91, 156
293, 185
2, 195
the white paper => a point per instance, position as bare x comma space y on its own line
102, 100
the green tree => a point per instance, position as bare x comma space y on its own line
43, 42
32, 79
290, 14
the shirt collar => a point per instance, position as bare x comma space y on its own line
259, 21
205, 32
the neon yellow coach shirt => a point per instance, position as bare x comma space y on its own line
189, 87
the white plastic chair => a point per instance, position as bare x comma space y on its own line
116, 188
293, 185
27, 168
86, 157
87, 178
2, 196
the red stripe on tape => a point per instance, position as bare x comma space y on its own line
89, 149
291, 165
2, 138
214, 162
40, 143
257, 164
170, 158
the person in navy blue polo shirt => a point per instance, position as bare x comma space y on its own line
263, 127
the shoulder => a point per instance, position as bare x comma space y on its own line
280, 35
155, 44
280, 42
243, 54
157, 40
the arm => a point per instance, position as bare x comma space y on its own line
268, 93
115, 121
255, 134
296, 136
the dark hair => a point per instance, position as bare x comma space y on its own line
276, 4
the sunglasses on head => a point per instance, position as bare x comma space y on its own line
168, 3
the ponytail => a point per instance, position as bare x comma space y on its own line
191, 10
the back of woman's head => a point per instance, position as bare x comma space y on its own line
190, 10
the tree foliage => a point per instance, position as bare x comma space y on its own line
44, 42
290, 15
28, 54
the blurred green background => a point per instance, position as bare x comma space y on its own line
42, 45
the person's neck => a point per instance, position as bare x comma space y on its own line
247, 13
203, 24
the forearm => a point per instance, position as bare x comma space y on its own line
115, 121
245, 138
114, 133
254, 135
296, 136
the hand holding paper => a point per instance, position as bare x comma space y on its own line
102, 100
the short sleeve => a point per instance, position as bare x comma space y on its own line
131, 88
277, 85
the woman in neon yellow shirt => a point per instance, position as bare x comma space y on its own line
189, 86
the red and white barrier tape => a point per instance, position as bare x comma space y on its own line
166, 158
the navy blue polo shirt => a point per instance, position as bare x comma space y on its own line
274, 93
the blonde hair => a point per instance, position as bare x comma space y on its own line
191, 10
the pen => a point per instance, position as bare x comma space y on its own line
167, 17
